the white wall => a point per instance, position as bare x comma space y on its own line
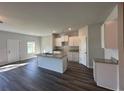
94, 43
121, 45
4, 36
111, 53
46, 44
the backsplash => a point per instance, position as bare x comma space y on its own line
111, 53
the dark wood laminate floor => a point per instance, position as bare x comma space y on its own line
32, 78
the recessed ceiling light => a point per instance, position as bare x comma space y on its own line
69, 29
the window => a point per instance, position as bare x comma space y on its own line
30, 47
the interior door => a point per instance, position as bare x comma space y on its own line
83, 51
13, 50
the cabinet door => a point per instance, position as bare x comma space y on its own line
70, 41
66, 38
74, 41
58, 41
111, 39
76, 56
77, 41
70, 56
62, 38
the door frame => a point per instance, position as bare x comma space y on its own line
87, 52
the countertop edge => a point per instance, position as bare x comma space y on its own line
54, 56
105, 61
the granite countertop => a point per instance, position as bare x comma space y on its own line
52, 55
106, 61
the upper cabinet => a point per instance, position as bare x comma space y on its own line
58, 42
74, 41
64, 38
67, 39
111, 34
109, 29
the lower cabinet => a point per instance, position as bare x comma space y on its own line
106, 75
73, 56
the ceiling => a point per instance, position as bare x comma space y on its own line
40, 18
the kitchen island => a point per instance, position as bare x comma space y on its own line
54, 62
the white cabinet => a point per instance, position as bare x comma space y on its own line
74, 41
109, 31
70, 41
69, 56
111, 34
58, 42
64, 38
106, 75
73, 56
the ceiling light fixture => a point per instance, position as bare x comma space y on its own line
69, 29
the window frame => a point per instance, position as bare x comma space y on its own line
33, 47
